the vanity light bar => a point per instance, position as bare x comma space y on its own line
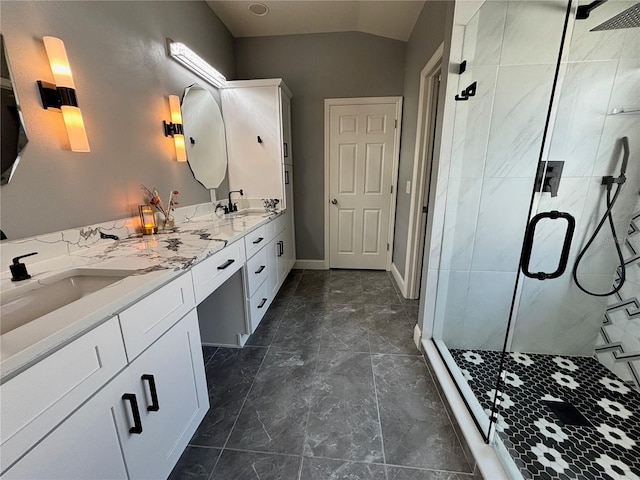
187, 57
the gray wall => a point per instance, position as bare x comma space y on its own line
122, 73
427, 35
315, 67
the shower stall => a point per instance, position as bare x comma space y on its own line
534, 254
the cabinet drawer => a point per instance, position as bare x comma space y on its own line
215, 270
148, 319
36, 400
255, 240
257, 271
258, 305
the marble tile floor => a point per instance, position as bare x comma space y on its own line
330, 386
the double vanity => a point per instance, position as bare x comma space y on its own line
112, 385
102, 372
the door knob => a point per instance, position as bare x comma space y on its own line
334, 201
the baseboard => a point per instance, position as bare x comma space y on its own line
486, 458
309, 265
399, 280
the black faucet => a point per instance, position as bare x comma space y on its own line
232, 207
19, 270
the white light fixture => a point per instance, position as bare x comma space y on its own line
174, 128
62, 95
187, 57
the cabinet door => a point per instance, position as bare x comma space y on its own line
287, 149
169, 376
282, 256
273, 257
85, 446
290, 244
254, 136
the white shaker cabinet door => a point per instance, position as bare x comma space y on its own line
254, 140
171, 395
83, 447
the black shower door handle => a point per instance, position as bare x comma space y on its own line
566, 247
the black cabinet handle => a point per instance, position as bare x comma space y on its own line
255, 242
225, 264
286, 150
566, 247
280, 248
286, 177
154, 407
264, 300
137, 423
262, 267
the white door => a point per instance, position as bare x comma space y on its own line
361, 165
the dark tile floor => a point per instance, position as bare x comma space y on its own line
330, 386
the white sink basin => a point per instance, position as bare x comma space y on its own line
26, 303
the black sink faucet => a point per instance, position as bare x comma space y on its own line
19, 269
232, 207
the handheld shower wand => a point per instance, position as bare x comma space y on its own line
609, 182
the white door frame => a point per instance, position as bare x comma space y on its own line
330, 102
425, 131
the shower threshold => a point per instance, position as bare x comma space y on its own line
560, 417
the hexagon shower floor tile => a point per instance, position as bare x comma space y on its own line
606, 447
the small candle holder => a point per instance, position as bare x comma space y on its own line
147, 220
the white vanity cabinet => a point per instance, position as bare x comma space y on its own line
144, 412
256, 274
170, 392
257, 116
86, 446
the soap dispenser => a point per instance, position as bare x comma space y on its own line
19, 269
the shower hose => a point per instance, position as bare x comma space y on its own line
609, 182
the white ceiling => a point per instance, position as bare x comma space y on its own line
388, 18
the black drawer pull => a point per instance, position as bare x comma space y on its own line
264, 300
262, 267
225, 264
154, 407
137, 423
255, 242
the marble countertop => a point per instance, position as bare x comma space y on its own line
151, 261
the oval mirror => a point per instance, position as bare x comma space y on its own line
204, 136
14, 137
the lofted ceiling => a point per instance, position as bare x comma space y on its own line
387, 18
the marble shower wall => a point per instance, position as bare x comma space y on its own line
619, 340
602, 73
511, 50
497, 142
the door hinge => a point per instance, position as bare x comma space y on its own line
391, 189
396, 124
387, 247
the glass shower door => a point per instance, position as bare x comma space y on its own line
557, 413
510, 55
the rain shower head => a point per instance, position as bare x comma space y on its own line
628, 18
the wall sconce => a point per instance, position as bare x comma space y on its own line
174, 128
62, 94
147, 219
187, 57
